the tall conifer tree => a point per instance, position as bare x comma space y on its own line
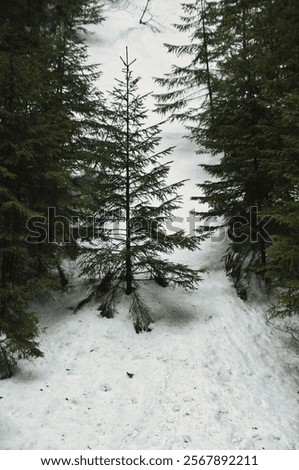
230, 124
282, 95
234, 130
138, 201
47, 106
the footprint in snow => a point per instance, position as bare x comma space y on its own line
170, 420
176, 408
162, 359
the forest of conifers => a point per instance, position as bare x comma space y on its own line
70, 155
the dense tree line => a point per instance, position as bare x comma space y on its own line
239, 99
67, 153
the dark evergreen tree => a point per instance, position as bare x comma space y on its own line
249, 124
138, 202
233, 128
282, 95
231, 123
19, 85
47, 107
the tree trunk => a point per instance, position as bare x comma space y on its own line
5, 365
128, 208
207, 57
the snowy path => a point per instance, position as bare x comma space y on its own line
211, 375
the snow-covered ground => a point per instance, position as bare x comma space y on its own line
212, 374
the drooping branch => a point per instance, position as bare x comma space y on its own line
140, 314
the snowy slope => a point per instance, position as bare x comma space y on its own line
212, 373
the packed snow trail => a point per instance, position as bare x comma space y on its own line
212, 374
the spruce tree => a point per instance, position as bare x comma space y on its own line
230, 123
20, 69
233, 128
48, 107
137, 201
282, 93
249, 126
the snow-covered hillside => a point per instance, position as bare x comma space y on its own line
212, 374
